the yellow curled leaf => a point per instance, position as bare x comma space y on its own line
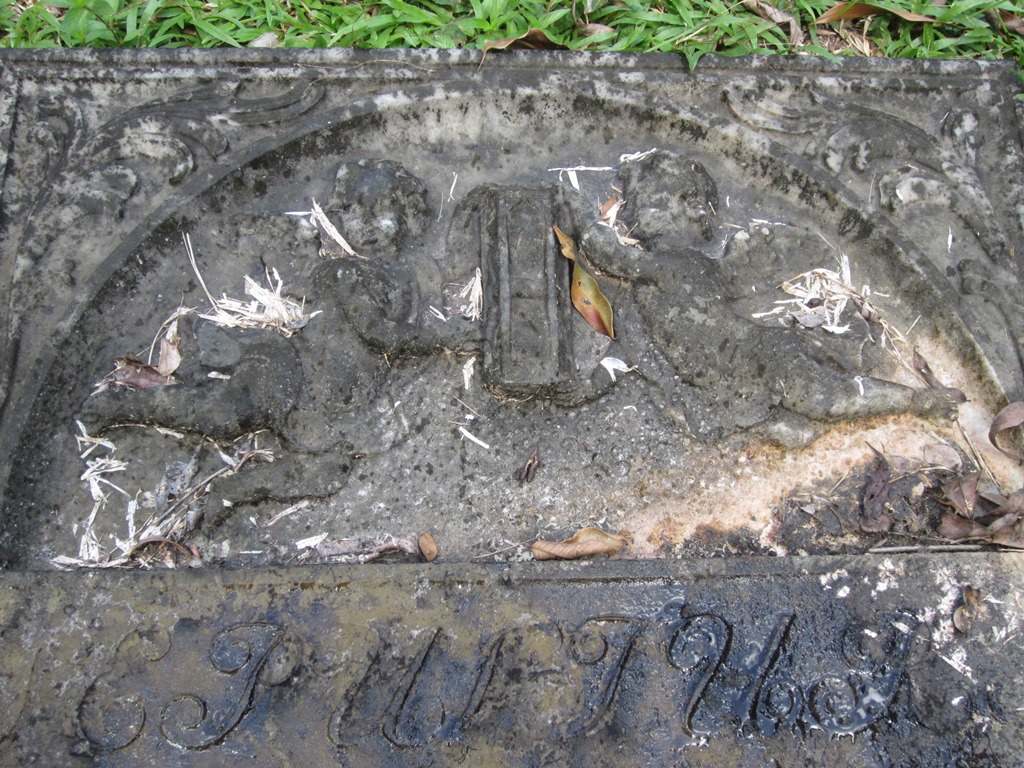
568, 246
590, 302
586, 542
585, 294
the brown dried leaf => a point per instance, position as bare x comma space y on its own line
962, 494
942, 455
956, 528
866, 311
972, 608
136, 374
428, 547
529, 470
1012, 505
841, 11
170, 355
999, 18
973, 597
1006, 532
531, 40
585, 293
586, 542
875, 517
963, 618
587, 30
610, 210
777, 16
925, 372
1010, 417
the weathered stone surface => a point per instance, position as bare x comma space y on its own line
434, 167
744, 661
394, 408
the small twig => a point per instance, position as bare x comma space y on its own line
925, 548
840, 482
190, 494
517, 545
468, 407
285, 512
979, 460
195, 268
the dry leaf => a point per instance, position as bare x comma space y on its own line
1011, 416
942, 455
138, 375
529, 470
924, 370
1013, 505
428, 547
962, 494
610, 211
973, 607
1004, 532
586, 294
588, 30
841, 11
586, 542
566, 244
957, 528
999, 18
875, 517
590, 302
170, 350
531, 40
777, 16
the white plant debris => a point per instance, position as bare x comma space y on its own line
613, 365
304, 504
451, 195
169, 339
178, 505
310, 543
269, 309
87, 443
823, 295
821, 298
636, 156
472, 295
93, 475
467, 372
364, 550
473, 438
572, 172
610, 218
463, 299
318, 218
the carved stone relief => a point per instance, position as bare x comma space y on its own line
367, 406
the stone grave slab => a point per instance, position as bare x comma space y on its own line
738, 661
268, 315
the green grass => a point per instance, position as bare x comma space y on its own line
962, 28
